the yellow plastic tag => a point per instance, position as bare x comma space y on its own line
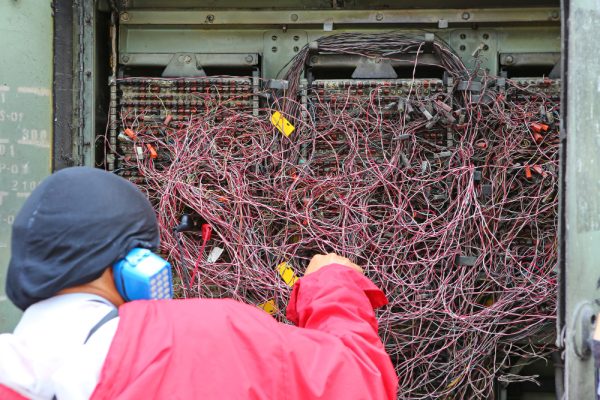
283, 125
287, 273
269, 306
454, 382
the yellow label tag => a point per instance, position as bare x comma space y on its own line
269, 306
283, 125
454, 382
287, 273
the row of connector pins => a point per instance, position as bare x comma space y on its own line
377, 83
185, 95
195, 102
183, 88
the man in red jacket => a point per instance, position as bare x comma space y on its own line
72, 343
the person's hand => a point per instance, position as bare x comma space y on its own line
321, 260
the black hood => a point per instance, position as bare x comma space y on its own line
74, 225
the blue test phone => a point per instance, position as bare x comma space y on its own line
143, 275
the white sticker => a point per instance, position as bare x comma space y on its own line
214, 254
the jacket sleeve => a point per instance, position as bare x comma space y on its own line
338, 354
7, 393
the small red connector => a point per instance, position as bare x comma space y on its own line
538, 138
527, 172
206, 232
152, 150
129, 132
538, 127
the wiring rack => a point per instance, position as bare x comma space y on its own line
444, 190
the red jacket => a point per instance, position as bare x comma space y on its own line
223, 349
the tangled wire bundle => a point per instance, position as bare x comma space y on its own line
460, 232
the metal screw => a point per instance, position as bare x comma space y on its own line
210, 18
463, 36
273, 37
296, 38
296, 48
555, 14
187, 59
125, 59
379, 17
313, 59
274, 49
466, 15
486, 36
509, 59
486, 47
463, 47
294, 17
249, 58
124, 16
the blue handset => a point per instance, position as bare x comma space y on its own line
143, 275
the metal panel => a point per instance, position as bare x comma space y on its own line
145, 41
354, 4
304, 17
582, 189
25, 117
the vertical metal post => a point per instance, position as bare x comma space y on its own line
63, 85
85, 107
581, 192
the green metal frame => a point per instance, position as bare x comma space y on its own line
581, 195
149, 35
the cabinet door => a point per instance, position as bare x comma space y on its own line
26, 32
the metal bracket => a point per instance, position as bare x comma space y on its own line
277, 84
429, 39
581, 330
529, 59
183, 64
374, 68
205, 60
